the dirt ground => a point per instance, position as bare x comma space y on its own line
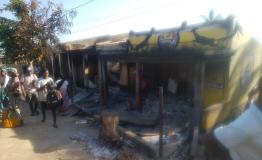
40, 141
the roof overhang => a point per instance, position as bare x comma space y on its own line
175, 56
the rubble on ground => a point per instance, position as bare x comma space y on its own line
94, 147
126, 155
86, 102
177, 113
180, 152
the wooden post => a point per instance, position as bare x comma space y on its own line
74, 82
69, 65
83, 68
100, 79
60, 63
73, 73
105, 84
161, 121
70, 72
52, 65
138, 98
199, 77
86, 74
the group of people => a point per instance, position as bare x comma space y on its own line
42, 90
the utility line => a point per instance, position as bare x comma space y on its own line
115, 14
81, 5
120, 19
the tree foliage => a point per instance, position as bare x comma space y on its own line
7, 39
35, 31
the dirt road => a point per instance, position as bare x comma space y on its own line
40, 141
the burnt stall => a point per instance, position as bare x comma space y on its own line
80, 66
135, 98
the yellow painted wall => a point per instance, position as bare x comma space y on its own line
215, 83
207, 37
241, 76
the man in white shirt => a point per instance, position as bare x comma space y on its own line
28, 82
243, 137
42, 88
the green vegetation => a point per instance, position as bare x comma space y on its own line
34, 32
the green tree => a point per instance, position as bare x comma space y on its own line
36, 29
8, 43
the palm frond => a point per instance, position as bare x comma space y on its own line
211, 15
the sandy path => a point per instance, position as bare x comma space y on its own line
40, 141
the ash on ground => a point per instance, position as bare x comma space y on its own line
94, 147
177, 118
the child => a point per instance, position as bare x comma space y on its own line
54, 99
62, 86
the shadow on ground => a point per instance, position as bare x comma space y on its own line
37, 138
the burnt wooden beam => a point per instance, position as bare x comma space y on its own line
161, 122
88, 66
152, 59
69, 64
70, 72
73, 72
83, 69
199, 77
74, 80
177, 56
100, 79
137, 89
52, 65
105, 82
140, 144
60, 63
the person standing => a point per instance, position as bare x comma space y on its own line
42, 88
14, 92
62, 86
14, 87
4, 78
3, 97
28, 82
54, 98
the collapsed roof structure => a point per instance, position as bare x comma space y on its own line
213, 65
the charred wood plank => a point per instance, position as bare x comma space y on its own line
140, 144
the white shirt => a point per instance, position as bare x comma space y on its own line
243, 137
29, 83
43, 93
64, 85
4, 80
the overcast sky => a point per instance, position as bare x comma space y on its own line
109, 17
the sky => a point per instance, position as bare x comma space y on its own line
109, 17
